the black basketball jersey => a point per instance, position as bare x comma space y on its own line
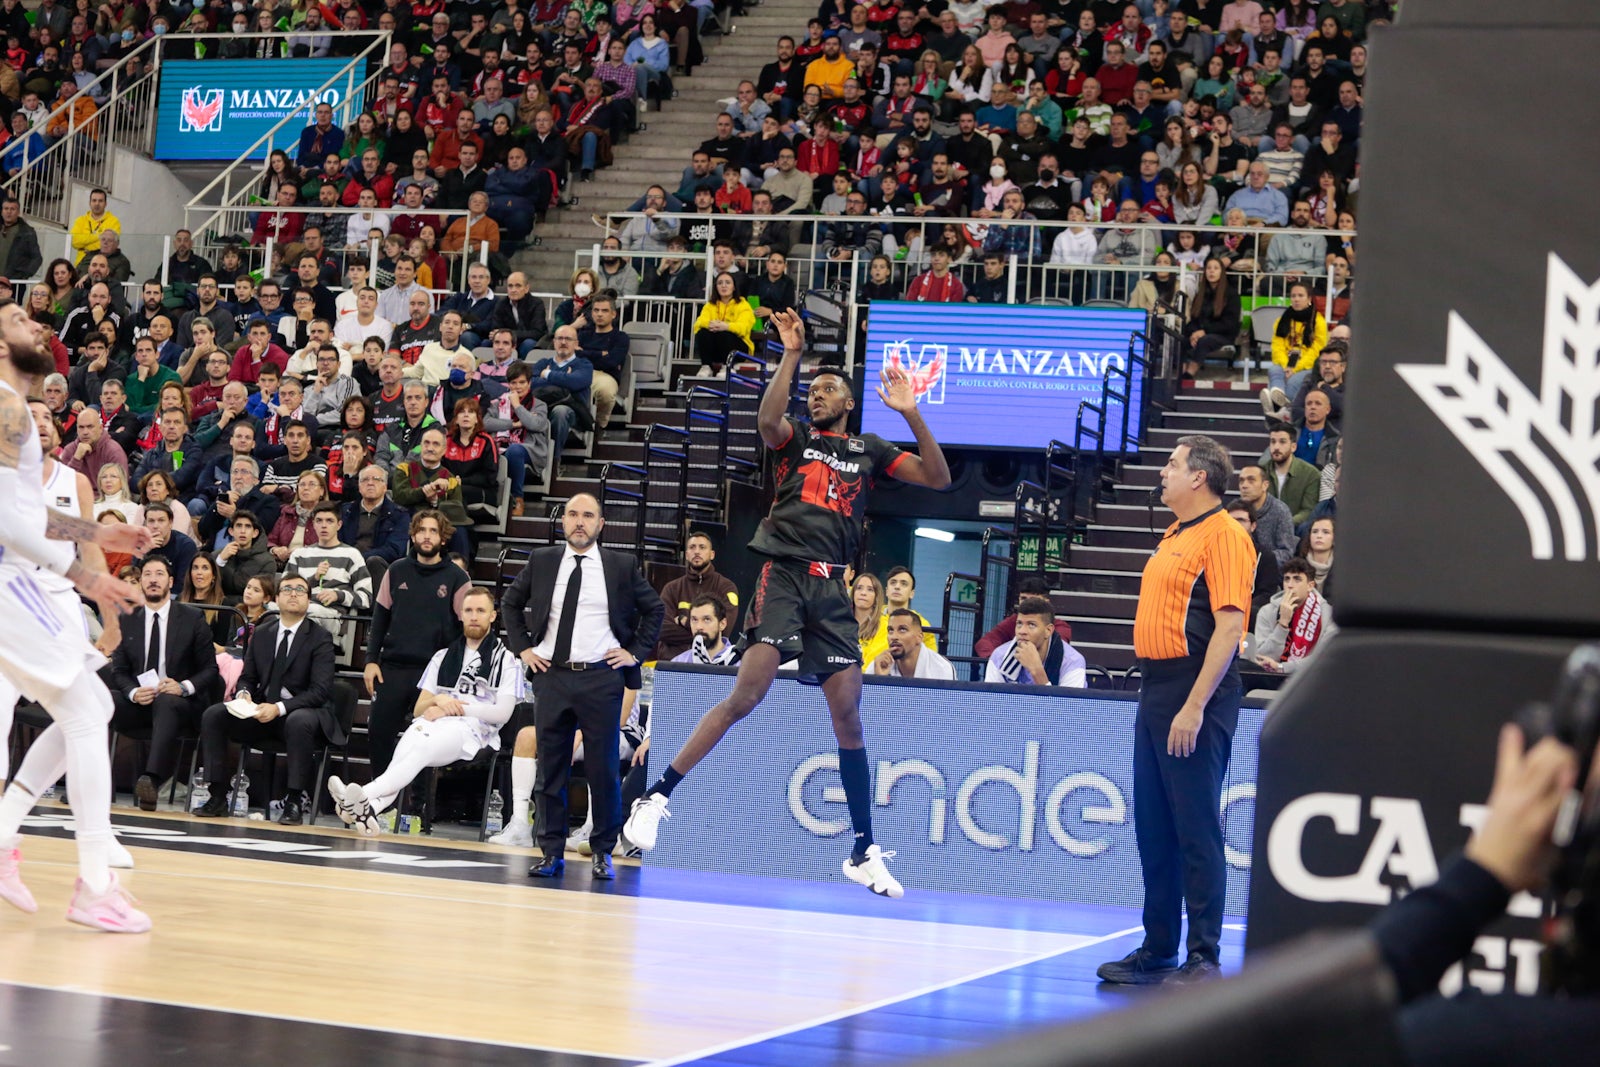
821, 501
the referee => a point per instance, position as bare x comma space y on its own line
1193, 598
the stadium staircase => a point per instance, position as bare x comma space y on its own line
1099, 589
661, 152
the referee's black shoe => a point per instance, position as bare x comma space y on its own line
1139, 967
600, 868
549, 867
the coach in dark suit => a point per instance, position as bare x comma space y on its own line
173, 641
288, 672
582, 629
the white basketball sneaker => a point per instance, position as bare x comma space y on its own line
873, 873
361, 814
518, 834
645, 819
336, 788
112, 911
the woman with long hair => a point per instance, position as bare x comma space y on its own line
1316, 548
723, 327
867, 600
293, 529
280, 171
401, 140
111, 494
364, 133
1188, 250
1297, 18
60, 278
356, 417
1216, 81
971, 81
257, 603
1327, 201
1297, 341
651, 57
926, 81
346, 457
158, 487
202, 587
1214, 317
1176, 147
41, 306
1158, 291
1014, 70
1332, 39
470, 454
203, 342
1194, 201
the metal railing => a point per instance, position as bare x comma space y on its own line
243, 176
121, 105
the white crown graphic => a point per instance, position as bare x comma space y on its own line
1543, 451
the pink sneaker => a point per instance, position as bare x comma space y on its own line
11, 888
112, 911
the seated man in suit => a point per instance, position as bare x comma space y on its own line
466, 694
288, 673
172, 643
582, 618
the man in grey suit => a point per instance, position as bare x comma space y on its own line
582, 618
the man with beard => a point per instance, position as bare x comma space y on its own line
812, 531
906, 657
44, 651
700, 578
582, 618
467, 692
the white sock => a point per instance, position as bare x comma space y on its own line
14, 807
523, 769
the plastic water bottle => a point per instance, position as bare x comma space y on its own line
494, 820
647, 686
239, 799
199, 790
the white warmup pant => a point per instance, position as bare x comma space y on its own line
425, 744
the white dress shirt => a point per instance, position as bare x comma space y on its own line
163, 613
591, 629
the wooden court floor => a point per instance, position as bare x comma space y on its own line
449, 943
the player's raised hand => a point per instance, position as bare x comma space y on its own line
120, 537
896, 392
790, 329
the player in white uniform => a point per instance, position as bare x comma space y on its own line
44, 649
467, 693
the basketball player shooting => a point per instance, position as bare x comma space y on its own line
44, 647
801, 608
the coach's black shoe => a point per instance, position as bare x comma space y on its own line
1139, 967
600, 868
146, 791
215, 807
293, 814
549, 867
1196, 970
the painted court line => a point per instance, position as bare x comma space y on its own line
823, 1020
79, 991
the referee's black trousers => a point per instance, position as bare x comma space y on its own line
566, 701
1177, 808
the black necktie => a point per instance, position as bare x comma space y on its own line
152, 658
569, 614
280, 660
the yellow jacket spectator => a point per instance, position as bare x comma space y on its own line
723, 327
86, 227
829, 71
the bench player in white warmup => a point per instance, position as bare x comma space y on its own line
466, 694
45, 650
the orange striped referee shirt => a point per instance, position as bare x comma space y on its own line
1201, 566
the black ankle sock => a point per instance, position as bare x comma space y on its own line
857, 778
669, 781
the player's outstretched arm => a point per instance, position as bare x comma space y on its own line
775, 401
928, 466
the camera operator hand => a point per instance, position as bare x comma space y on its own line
1513, 844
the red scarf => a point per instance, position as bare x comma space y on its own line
1304, 629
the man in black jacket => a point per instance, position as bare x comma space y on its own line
19, 244
373, 524
288, 674
424, 590
519, 312
605, 346
580, 668
161, 676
